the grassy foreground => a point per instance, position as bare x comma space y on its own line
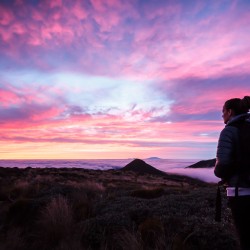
73, 209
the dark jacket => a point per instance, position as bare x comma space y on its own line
228, 153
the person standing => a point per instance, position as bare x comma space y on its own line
233, 163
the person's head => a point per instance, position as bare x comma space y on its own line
235, 106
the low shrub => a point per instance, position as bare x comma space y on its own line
50, 211
14, 240
22, 213
148, 193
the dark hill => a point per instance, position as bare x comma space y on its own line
141, 167
203, 164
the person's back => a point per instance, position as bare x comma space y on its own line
233, 163
242, 150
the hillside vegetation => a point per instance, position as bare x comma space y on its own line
73, 209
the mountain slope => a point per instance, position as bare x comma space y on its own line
142, 167
203, 164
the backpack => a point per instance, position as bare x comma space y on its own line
243, 150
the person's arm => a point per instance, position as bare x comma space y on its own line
225, 156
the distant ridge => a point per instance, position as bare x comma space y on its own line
153, 158
203, 164
141, 167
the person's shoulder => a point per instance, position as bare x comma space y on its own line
239, 120
229, 130
241, 124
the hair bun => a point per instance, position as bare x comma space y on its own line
245, 103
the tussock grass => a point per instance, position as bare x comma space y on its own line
129, 240
152, 234
82, 205
22, 189
56, 222
76, 209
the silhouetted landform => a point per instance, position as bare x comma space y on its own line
140, 167
203, 164
73, 208
153, 158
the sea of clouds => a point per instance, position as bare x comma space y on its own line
175, 166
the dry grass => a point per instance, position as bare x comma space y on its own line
152, 234
129, 240
56, 221
70, 209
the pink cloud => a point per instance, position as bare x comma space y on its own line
179, 54
26, 106
6, 16
173, 50
157, 134
198, 60
161, 10
115, 131
7, 97
79, 11
104, 6
54, 3
202, 99
107, 24
37, 15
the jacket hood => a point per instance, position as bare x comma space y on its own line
242, 117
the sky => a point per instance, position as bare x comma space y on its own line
115, 79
